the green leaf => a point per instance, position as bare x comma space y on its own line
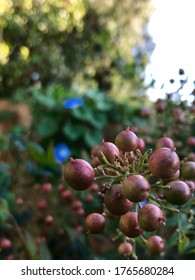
4, 211
46, 101
173, 240
83, 113
46, 127
5, 176
92, 138
31, 243
98, 120
172, 221
50, 154
190, 246
44, 252
36, 152
183, 244
72, 131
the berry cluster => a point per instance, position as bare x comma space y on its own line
137, 187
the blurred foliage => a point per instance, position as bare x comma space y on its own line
78, 44
81, 122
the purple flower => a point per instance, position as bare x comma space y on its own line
61, 152
73, 103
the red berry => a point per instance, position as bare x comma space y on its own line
60, 188
191, 185
164, 142
94, 187
42, 204
140, 144
109, 150
136, 188
80, 212
164, 163
126, 141
178, 192
188, 170
5, 243
95, 223
125, 249
79, 174
191, 141
46, 188
150, 217
155, 244
129, 225
116, 201
49, 220
66, 194
76, 204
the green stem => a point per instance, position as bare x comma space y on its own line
144, 157
143, 239
21, 236
117, 177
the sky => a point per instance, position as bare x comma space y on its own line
172, 27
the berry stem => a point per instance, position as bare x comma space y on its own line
143, 239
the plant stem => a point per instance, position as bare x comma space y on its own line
22, 239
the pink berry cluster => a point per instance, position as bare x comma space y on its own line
137, 188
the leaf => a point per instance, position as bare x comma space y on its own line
83, 113
172, 221
36, 152
31, 243
173, 240
50, 154
46, 101
98, 121
4, 211
46, 127
72, 131
5, 177
183, 244
44, 252
190, 246
92, 138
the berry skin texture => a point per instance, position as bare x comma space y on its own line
129, 225
150, 217
188, 170
165, 142
155, 244
95, 223
191, 185
79, 174
109, 150
116, 201
126, 141
164, 163
125, 249
140, 144
136, 188
178, 192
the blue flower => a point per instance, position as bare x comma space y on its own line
61, 152
143, 203
73, 103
